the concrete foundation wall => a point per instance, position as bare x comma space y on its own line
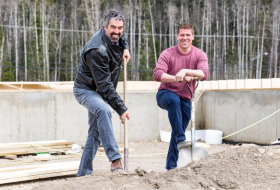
234, 110
36, 116
44, 116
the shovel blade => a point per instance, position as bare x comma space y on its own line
185, 155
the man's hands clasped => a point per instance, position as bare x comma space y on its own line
182, 76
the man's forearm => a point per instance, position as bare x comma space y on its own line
166, 78
195, 73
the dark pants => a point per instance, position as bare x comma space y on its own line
179, 114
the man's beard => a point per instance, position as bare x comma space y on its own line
115, 40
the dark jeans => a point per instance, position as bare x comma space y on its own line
179, 114
100, 129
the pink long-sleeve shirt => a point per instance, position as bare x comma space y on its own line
171, 61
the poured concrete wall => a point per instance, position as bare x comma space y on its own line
234, 110
35, 116
56, 115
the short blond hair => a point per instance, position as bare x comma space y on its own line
185, 26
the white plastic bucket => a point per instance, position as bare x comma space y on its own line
165, 136
212, 135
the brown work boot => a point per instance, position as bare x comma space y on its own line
116, 165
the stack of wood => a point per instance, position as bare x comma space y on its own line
40, 171
34, 147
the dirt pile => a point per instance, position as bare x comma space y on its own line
246, 167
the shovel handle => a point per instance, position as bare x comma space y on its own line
194, 78
125, 122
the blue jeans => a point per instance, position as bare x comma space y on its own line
179, 114
100, 129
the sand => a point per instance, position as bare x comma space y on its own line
227, 167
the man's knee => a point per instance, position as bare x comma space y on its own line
104, 111
173, 101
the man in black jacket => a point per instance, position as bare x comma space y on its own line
95, 87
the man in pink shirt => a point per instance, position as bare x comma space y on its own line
176, 66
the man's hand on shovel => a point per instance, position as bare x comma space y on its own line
123, 116
127, 55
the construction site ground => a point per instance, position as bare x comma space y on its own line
245, 166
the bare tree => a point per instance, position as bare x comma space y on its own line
224, 52
239, 42
16, 41
275, 35
47, 47
243, 42
202, 31
147, 45
139, 39
263, 33
258, 53
42, 12
172, 10
97, 13
1, 53
37, 46
2, 44
247, 41
89, 16
153, 33
24, 42
72, 44
62, 18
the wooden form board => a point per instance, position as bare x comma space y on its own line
30, 144
41, 176
36, 86
27, 167
32, 151
11, 157
30, 147
26, 173
239, 84
2, 149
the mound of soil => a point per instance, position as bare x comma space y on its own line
245, 167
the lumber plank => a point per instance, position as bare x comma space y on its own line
11, 157
51, 141
32, 151
33, 148
42, 176
13, 153
27, 167
42, 157
63, 167
28, 145
47, 150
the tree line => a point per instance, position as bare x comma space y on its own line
41, 40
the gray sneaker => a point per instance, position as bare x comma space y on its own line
183, 144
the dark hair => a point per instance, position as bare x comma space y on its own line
113, 14
185, 26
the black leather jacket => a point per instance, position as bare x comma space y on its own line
99, 68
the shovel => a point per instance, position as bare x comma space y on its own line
187, 155
125, 121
